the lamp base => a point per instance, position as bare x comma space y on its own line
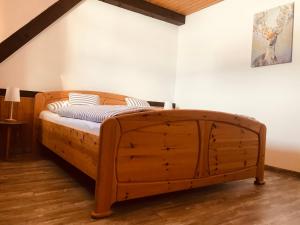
10, 120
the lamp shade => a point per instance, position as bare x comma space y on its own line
12, 95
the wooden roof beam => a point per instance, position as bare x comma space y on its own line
34, 27
55, 11
149, 9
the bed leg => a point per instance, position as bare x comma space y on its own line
260, 175
101, 212
106, 182
261, 160
259, 181
103, 199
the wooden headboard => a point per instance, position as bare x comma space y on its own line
43, 99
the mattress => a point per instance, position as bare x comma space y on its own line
82, 125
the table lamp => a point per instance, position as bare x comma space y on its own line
168, 105
12, 95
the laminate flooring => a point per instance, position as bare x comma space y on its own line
49, 191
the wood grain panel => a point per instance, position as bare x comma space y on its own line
184, 7
149, 9
231, 148
135, 190
163, 152
148, 119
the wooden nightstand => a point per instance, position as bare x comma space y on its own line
10, 126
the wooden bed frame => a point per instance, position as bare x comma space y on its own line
150, 153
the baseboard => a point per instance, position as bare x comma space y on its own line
280, 170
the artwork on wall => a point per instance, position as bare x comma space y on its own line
273, 36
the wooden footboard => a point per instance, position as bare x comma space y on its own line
151, 153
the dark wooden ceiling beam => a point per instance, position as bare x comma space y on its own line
34, 27
149, 9
58, 9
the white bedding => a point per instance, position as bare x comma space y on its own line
98, 113
82, 125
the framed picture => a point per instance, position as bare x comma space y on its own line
273, 36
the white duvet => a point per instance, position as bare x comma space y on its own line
82, 125
98, 113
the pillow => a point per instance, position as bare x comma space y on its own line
55, 106
83, 99
136, 102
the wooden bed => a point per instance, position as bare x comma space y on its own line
150, 153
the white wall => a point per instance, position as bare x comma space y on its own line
16, 13
214, 73
97, 46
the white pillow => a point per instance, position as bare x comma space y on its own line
55, 106
136, 102
83, 99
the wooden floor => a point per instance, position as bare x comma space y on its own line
47, 191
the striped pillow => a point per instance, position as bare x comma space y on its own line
98, 113
55, 106
136, 102
83, 99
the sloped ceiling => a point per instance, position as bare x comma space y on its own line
14, 14
185, 7
171, 11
